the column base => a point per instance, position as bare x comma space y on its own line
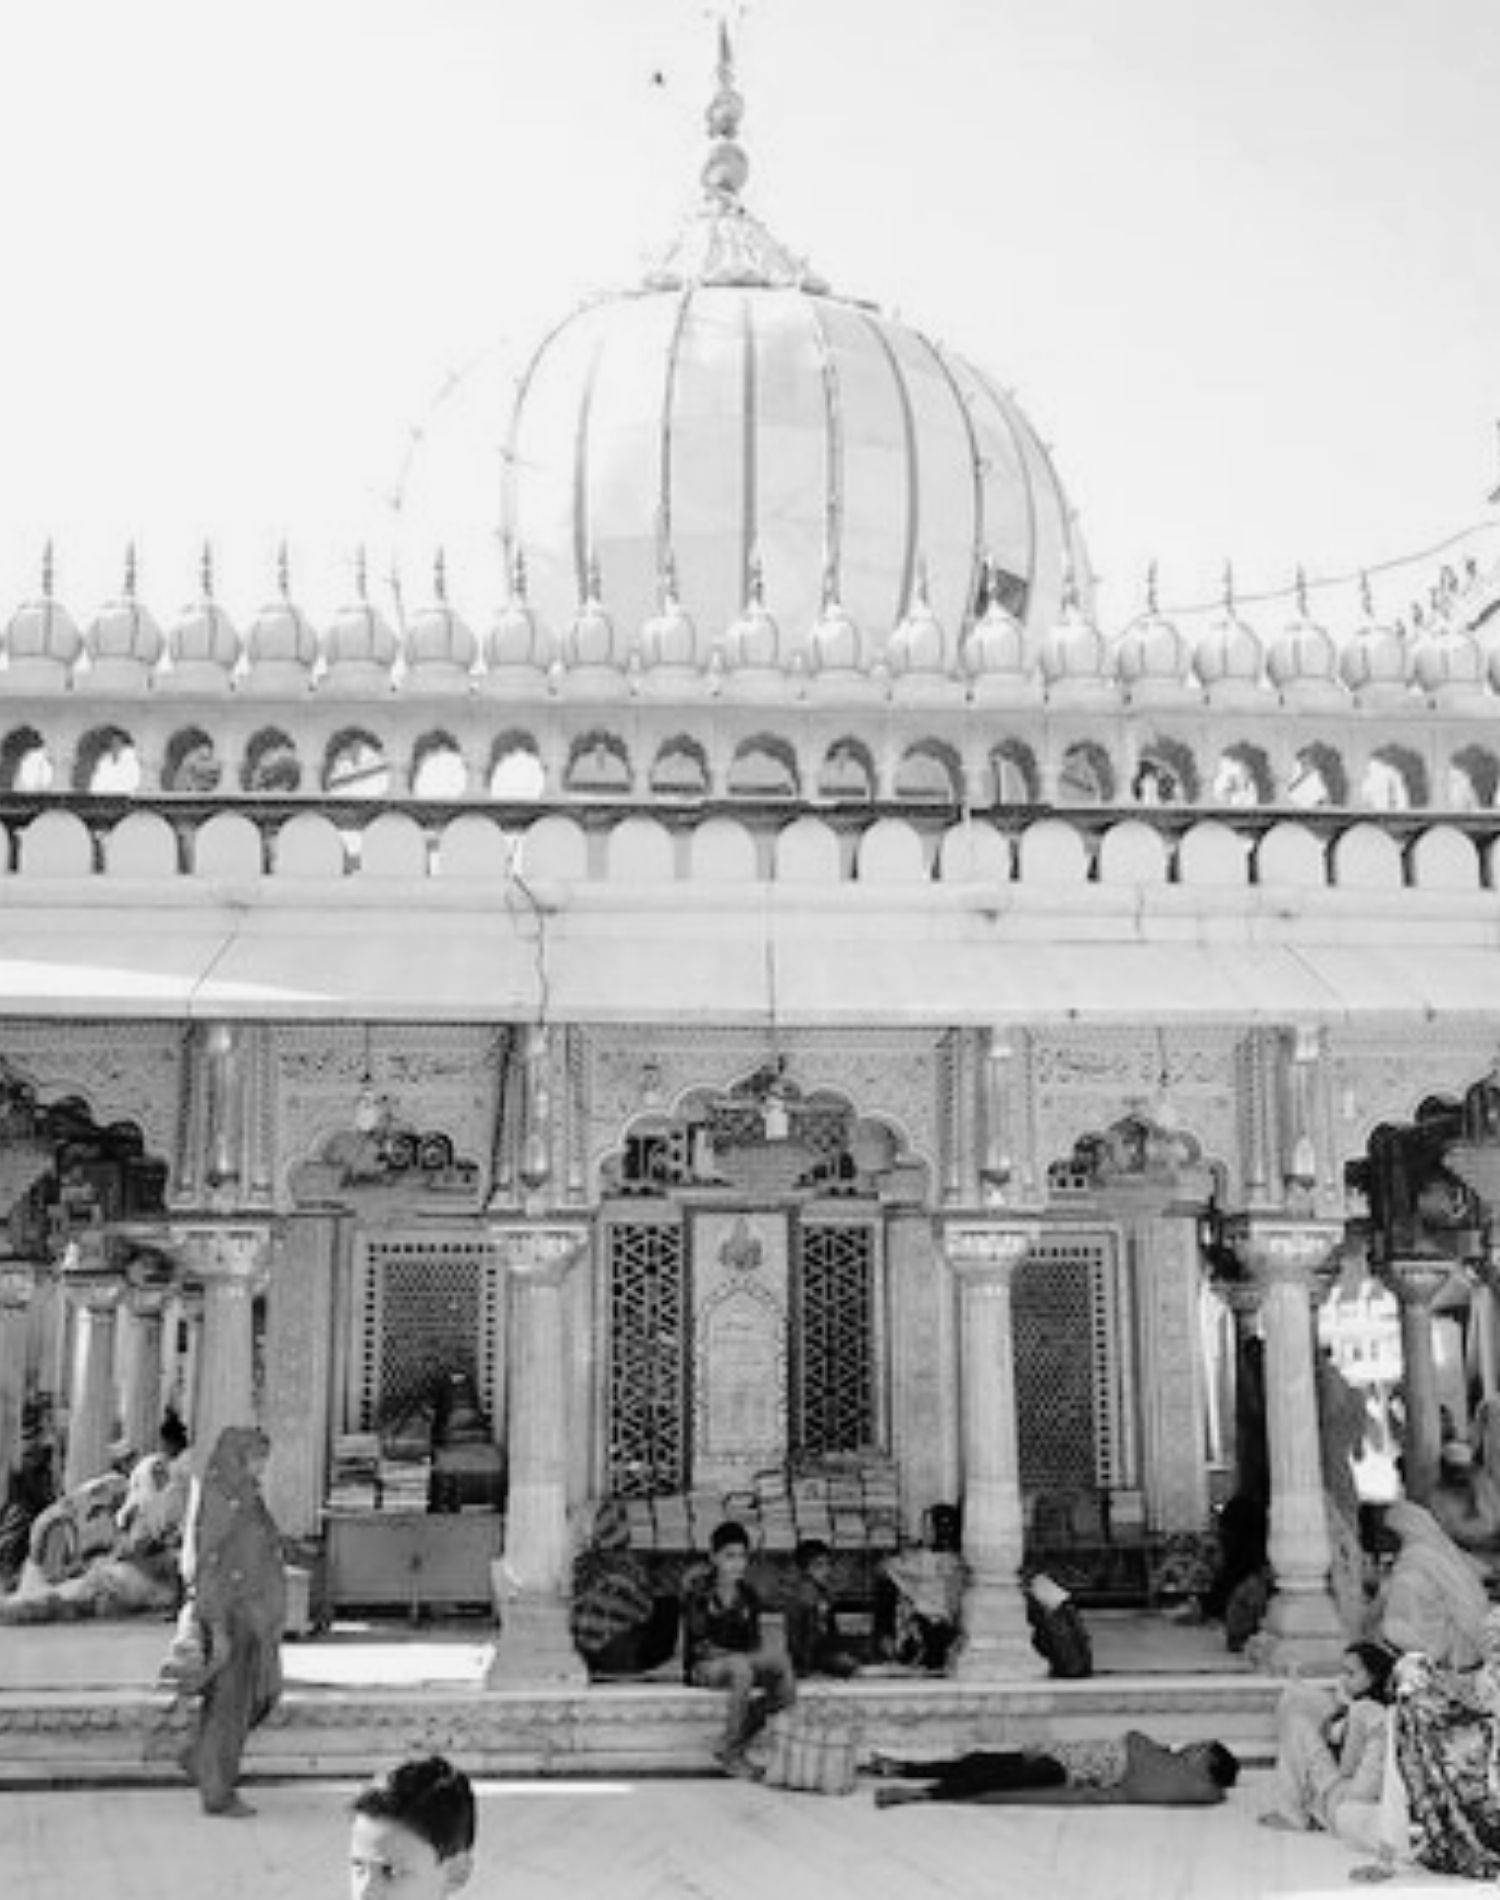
996, 1645
534, 1644
1303, 1634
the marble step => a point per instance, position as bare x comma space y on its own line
131, 1733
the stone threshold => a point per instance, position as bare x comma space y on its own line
130, 1735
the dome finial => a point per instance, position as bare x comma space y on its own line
1151, 600
1366, 596
726, 168
47, 568
1301, 591
518, 577
1228, 586
361, 575
755, 582
129, 587
283, 573
440, 576
206, 571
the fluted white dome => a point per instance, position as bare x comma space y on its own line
732, 409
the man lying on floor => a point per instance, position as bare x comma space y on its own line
1131, 1771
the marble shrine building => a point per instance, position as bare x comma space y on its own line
785, 1010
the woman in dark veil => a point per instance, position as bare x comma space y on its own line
233, 1564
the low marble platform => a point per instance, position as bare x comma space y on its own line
78, 1703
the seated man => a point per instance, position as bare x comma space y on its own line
722, 1647
1134, 1771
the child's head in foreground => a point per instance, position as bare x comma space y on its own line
412, 1833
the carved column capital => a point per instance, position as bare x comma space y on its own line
90, 1279
1417, 1280
1277, 1252
981, 1252
1242, 1297
17, 1285
235, 1255
540, 1252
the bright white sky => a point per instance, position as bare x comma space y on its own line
1238, 257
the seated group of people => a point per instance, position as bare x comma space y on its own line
110, 1546
1397, 1758
622, 1627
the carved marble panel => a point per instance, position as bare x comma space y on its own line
1164, 1258
740, 1301
889, 1075
1384, 1078
438, 1076
1086, 1079
122, 1071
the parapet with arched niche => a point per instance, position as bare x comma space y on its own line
479, 751
888, 846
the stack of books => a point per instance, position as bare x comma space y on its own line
404, 1483
354, 1480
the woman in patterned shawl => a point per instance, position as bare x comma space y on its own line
1442, 1798
233, 1564
619, 1627
1433, 1601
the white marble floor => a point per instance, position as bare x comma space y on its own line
674, 1840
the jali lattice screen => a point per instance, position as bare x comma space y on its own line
431, 1307
648, 1408
833, 1344
1072, 1374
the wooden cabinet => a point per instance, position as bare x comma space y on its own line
392, 1560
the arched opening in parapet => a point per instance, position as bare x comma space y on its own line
1013, 773
191, 765
1317, 778
271, 764
25, 763
1086, 777
1394, 780
106, 762
355, 766
437, 767
764, 767
1166, 773
516, 769
1473, 775
1242, 777
598, 766
930, 771
680, 769
847, 772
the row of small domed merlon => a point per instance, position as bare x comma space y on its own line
1455, 648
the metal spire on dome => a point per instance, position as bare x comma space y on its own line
1366, 596
1152, 607
47, 568
440, 577
206, 571
723, 243
1301, 591
1228, 586
283, 573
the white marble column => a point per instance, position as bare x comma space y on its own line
94, 1290
143, 1403
299, 1371
229, 1263
997, 1639
17, 1282
534, 1644
1416, 1282
1303, 1620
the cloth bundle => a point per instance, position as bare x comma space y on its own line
812, 1750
